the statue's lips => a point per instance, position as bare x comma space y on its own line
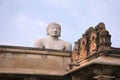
55, 32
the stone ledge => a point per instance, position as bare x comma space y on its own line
32, 50
102, 60
39, 61
20, 71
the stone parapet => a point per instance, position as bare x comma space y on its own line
34, 61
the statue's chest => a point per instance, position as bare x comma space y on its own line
54, 45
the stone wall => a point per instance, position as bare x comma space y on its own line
33, 61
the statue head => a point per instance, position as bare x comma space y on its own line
54, 29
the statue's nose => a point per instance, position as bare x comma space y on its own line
55, 30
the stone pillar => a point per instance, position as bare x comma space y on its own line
31, 78
103, 74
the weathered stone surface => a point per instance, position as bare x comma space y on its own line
92, 41
23, 60
92, 58
96, 58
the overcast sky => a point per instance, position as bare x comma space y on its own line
24, 21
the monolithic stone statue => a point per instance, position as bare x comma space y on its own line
52, 40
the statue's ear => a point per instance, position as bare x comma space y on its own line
47, 31
60, 34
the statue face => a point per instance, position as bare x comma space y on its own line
54, 30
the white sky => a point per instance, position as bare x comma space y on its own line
24, 21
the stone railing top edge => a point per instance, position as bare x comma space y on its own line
33, 50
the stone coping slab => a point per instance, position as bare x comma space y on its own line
33, 50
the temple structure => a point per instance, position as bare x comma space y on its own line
92, 58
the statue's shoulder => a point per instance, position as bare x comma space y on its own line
39, 43
68, 46
40, 40
66, 42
